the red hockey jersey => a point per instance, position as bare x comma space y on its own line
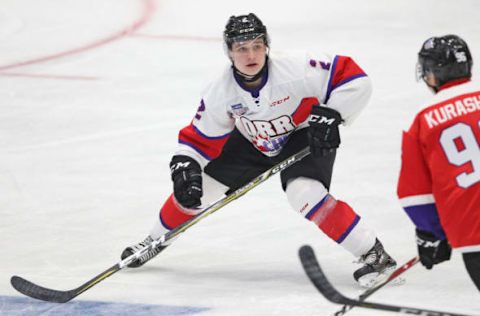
439, 183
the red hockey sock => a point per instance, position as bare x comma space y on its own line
171, 215
334, 217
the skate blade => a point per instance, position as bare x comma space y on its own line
372, 279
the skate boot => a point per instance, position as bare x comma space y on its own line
377, 265
147, 256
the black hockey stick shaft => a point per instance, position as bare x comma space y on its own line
36, 291
215, 206
319, 280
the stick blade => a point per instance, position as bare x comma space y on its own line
317, 277
36, 291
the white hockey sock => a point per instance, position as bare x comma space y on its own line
158, 230
333, 217
360, 240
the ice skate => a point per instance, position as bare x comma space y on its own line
377, 265
134, 248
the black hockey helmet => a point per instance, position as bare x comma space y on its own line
447, 58
243, 28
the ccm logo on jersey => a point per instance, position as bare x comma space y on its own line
321, 119
265, 129
278, 102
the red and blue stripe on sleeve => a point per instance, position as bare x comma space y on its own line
414, 187
303, 110
423, 213
207, 146
344, 70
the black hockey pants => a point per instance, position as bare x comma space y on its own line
472, 263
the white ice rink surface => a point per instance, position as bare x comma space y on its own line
92, 95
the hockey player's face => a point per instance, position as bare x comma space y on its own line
249, 57
430, 80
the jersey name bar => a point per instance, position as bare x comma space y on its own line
449, 111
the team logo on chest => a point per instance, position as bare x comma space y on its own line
268, 136
266, 129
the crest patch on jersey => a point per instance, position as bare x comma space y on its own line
238, 109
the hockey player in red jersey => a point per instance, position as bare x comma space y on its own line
256, 114
439, 183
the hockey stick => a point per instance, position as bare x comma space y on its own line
318, 278
35, 291
377, 286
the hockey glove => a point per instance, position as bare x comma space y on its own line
187, 181
431, 249
323, 133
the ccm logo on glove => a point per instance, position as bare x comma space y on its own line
321, 119
323, 133
187, 181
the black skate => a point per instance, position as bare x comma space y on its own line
149, 255
377, 265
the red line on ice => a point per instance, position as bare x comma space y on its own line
179, 37
47, 76
148, 9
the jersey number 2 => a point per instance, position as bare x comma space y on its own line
469, 152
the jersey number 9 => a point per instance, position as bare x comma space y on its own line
470, 153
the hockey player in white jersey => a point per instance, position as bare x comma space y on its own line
260, 110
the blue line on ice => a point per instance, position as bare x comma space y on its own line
16, 306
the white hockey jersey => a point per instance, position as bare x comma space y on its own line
282, 103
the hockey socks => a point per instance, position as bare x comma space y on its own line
171, 215
340, 222
334, 217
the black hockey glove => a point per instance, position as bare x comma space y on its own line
323, 133
431, 249
187, 181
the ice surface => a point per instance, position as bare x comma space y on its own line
87, 129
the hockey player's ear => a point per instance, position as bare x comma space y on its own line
229, 54
228, 51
